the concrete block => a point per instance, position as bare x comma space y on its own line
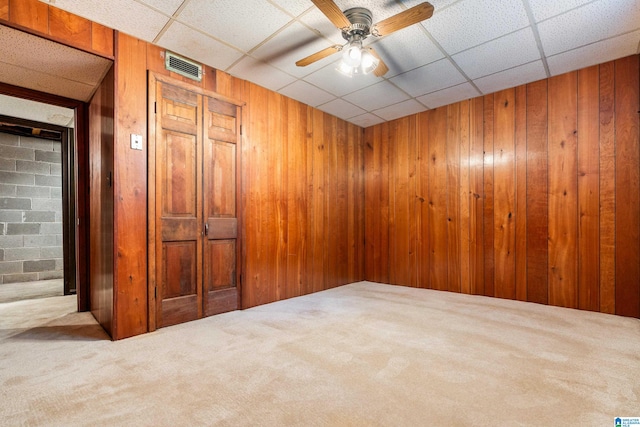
11, 242
56, 169
48, 181
36, 143
56, 193
9, 152
17, 178
46, 275
33, 167
10, 267
38, 192
18, 278
38, 266
57, 146
59, 264
8, 139
22, 229
1, 252
51, 228
51, 252
39, 216
7, 165
48, 156
1, 229
15, 203
7, 190
39, 241
10, 216
21, 254
54, 205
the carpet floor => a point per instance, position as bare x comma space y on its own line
363, 354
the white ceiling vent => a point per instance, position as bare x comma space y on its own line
183, 66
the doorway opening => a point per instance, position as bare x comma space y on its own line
37, 207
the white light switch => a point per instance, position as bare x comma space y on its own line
136, 141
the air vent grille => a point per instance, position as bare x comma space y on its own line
183, 66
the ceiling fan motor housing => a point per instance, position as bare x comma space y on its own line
361, 21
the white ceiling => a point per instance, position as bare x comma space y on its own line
468, 48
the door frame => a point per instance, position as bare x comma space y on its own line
78, 174
152, 285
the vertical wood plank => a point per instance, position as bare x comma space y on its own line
296, 197
437, 226
32, 14
278, 184
588, 190
422, 192
317, 221
465, 198
412, 200
4, 10
607, 189
67, 26
563, 238
399, 219
476, 183
627, 254
537, 194
101, 39
453, 197
130, 247
504, 193
521, 193
488, 237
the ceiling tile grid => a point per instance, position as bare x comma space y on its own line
467, 48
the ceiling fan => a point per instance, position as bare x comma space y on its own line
356, 25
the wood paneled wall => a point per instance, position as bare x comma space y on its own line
303, 191
58, 25
531, 193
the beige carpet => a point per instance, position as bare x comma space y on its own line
362, 354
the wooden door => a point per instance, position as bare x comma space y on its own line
193, 224
221, 246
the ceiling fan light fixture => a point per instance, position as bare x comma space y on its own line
352, 54
369, 62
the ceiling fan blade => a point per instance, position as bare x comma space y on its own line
333, 12
382, 68
319, 55
403, 19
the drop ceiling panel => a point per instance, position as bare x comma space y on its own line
366, 120
469, 23
292, 44
198, 46
445, 96
329, 79
261, 73
400, 110
500, 54
430, 78
241, 24
36, 111
407, 49
306, 93
516, 76
316, 21
593, 54
293, 7
127, 16
545, 9
377, 96
341, 108
588, 24
168, 7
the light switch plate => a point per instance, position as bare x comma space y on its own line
136, 141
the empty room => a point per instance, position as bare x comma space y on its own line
320, 212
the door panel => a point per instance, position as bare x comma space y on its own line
220, 207
178, 194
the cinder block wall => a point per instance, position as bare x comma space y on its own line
30, 209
